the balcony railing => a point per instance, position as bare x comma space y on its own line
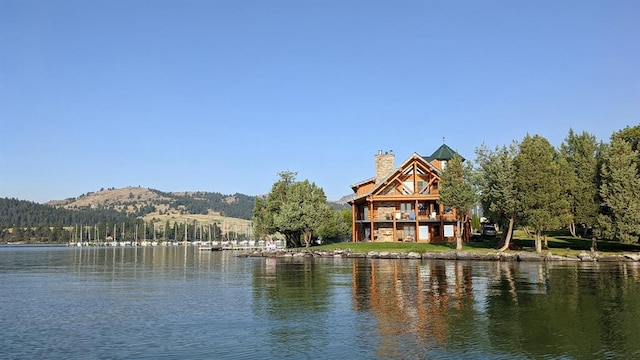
409, 216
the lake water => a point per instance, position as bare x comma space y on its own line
179, 303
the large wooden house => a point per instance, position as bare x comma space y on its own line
400, 204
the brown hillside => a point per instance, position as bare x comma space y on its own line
129, 199
124, 199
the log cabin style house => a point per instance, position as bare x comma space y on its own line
401, 204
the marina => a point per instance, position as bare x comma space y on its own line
245, 245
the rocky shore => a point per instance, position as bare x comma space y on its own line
449, 255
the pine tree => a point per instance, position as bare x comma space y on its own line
496, 181
458, 192
620, 192
582, 153
541, 187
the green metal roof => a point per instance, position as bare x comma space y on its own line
443, 153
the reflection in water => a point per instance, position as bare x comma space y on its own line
290, 293
576, 310
176, 302
412, 301
147, 261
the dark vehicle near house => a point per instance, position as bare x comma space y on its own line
488, 230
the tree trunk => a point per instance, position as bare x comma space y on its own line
546, 242
538, 242
572, 230
459, 236
291, 241
507, 236
307, 240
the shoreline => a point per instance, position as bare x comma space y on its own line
519, 256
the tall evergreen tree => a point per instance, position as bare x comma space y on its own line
496, 181
540, 187
582, 153
630, 135
456, 190
620, 192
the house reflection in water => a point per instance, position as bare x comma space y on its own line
413, 302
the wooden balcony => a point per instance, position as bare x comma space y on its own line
410, 217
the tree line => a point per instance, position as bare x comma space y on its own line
22, 213
590, 188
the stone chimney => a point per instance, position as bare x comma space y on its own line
385, 164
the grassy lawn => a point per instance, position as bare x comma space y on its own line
559, 244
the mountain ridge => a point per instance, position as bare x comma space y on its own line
139, 202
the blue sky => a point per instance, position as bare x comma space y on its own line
222, 95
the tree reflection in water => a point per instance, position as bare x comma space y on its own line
515, 309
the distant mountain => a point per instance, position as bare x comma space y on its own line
342, 203
107, 205
140, 202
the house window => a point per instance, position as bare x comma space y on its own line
448, 231
409, 233
406, 207
364, 214
407, 187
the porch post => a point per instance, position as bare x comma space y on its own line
371, 224
354, 227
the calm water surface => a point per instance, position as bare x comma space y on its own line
178, 303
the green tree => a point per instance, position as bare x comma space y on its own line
262, 221
336, 225
293, 208
457, 191
540, 187
620, 192
304, 211
582, 153
475, 222
496, 178
630, 135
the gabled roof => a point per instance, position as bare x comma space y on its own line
444, 152
399, 169
358, 184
